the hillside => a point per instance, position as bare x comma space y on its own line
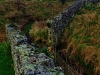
27, 12
82, 38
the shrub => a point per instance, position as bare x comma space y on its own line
39, 32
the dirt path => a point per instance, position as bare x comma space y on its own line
2, 35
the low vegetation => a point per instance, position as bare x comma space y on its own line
29, 11
82, 38
6, 62
39, 32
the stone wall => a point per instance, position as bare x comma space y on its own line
62, 20
26, 59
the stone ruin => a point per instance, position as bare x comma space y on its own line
26, 59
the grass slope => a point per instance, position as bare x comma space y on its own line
82, 38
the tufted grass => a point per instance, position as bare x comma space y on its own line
39, 32
83, 42
6, 62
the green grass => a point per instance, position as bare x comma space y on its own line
6, 62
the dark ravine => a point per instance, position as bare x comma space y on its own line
26, 60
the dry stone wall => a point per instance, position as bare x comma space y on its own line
26, 60
62, 20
